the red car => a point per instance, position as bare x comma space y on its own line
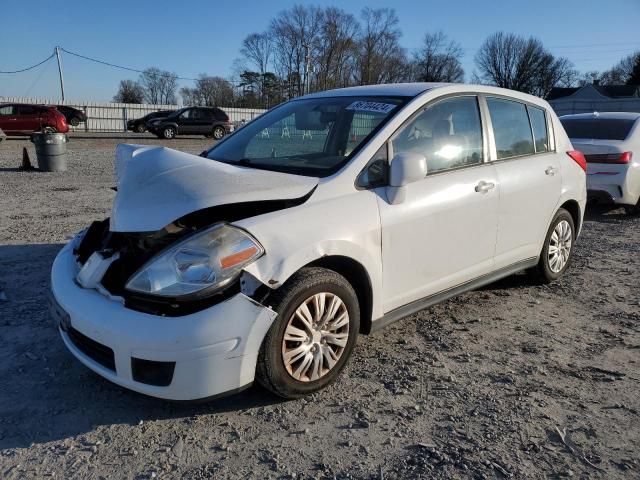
22, 118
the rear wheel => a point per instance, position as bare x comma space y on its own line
140, 128
218, 132
168, 133
633, 209
311, 340
558, 248
49, 130
74, 122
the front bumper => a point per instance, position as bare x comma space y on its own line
214, 350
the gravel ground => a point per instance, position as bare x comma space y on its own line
514, 380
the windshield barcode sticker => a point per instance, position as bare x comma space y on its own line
377, 107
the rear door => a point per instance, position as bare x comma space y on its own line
206, 119
528, 170
8, 118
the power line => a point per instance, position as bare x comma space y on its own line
167, 75
31, 67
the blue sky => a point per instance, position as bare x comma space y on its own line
193, 37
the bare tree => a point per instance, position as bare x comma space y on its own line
511, 61
295, 34
634, 76
621, 72
438, 60
258, 48
159, 86
381, 59
336, 49
129, 91
208, 91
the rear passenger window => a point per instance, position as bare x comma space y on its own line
448, 133
511, 128
539, 127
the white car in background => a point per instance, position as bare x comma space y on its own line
610, 142
331, 215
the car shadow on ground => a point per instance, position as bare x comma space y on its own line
45, 393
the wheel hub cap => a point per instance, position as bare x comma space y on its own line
560, 246
315, 337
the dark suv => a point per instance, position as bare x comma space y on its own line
207, 121
139, 125
23, 119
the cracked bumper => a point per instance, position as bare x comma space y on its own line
214, 350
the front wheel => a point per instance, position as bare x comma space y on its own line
74, 122
140, 128
313, 335
168, 133
218, 133
558, 248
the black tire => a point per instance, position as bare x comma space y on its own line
543, 272
633, 209
74, 122
140, 128
271, 371
49, 130
168, 133
218, 132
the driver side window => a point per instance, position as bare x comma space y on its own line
448, 133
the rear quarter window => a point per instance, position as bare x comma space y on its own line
598, 128
539, 127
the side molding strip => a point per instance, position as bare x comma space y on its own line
436, 298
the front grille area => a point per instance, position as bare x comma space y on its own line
92, 349
159, 374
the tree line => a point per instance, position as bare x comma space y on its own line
308, 48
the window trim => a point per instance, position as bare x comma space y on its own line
547, 117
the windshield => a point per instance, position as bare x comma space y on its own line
598, 128
313, 137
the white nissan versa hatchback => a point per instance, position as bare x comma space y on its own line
331, 215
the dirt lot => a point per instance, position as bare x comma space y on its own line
477, 387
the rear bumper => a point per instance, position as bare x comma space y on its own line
208, 353
618, 184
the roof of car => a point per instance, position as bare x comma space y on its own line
602, 115
388, 89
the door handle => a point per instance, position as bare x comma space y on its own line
484, 187
550, 171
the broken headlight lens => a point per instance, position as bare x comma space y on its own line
207, 260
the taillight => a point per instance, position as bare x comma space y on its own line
625, 157
578, 157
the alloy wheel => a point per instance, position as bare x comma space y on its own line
559, 246
315, 337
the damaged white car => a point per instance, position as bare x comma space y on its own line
331, 215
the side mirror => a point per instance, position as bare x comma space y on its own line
405, 168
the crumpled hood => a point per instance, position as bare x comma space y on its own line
158, 185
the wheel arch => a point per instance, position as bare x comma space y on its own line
573, 208
356, 274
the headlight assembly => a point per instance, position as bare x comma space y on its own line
208, 260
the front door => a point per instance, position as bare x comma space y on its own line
444, 233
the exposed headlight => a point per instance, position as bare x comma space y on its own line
208, 260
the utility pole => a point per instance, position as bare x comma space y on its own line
57, 50
307, 67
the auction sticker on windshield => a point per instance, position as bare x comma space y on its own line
378, 107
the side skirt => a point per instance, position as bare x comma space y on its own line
436, 298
